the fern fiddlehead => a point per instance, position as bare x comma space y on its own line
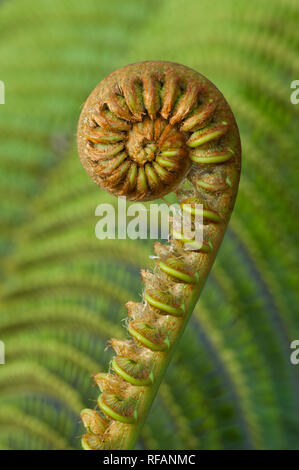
146, 130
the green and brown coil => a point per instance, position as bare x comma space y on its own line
145, 130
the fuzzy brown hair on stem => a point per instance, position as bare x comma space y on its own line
145, 130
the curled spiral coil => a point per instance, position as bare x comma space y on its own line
142, 127
144, 130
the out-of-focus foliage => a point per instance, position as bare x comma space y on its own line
231, 384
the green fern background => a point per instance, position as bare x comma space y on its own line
231, 384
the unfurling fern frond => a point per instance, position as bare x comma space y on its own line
138, 134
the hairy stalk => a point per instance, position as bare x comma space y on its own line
146, 130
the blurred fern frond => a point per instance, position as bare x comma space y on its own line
62, 292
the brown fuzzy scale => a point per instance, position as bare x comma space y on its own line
143, 130
139, 311
93, 421
111, 383
126, 348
